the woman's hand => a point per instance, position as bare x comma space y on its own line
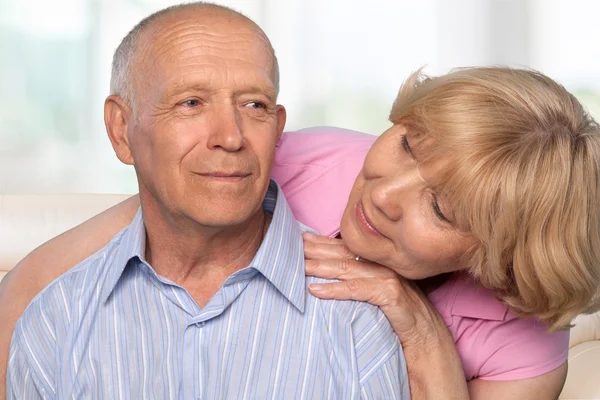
433, 363
411, 314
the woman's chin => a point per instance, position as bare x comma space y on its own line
352, 239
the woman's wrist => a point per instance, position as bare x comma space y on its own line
434, 367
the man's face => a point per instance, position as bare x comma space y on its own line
206, 122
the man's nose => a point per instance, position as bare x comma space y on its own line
226, 130
393, 194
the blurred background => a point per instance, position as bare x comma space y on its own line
341, 62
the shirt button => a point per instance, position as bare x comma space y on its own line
200, 324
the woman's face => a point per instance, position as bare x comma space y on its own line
394, 218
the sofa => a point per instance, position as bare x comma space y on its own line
26, 221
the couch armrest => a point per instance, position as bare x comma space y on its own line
582, 378
586, 329
26, 221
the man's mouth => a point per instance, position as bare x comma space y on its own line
225, 176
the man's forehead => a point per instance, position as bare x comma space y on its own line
203, 49
220, 78
213, 29
194, 45
185, 42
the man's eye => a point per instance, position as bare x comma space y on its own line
191, 103
256, 105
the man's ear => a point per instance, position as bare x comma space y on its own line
281, 118
116, 117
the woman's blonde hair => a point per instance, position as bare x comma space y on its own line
522, 175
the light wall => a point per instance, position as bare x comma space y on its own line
341, 64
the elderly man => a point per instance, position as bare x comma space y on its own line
204, 294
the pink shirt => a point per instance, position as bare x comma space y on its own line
316, 168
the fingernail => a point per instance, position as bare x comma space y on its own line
316, 288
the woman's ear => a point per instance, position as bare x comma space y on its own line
116, 117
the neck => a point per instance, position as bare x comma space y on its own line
197, 257
428, 285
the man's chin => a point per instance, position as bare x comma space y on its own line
225, 216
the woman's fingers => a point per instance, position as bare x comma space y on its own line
410, 314
334, 269
356, 289
313, 237
346, 268
377, 291
326, 249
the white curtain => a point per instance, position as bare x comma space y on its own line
342, 62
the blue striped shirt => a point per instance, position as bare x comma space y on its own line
111, 328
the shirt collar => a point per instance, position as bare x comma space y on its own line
470, 299
132, 245
280, 258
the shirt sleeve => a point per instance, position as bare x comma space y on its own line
32, 363
521, 349
389, 381
381, 364
22, 380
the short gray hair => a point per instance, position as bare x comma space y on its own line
123, 59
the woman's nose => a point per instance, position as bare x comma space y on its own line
393, 194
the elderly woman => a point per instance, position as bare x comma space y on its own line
485, 190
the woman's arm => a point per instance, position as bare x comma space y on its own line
547, 386
434, 366
50, 260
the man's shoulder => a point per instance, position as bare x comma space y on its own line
353, 304
364, 318
374, 342
81, 281
45, 326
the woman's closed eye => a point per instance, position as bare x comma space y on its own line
437, 209
405, 145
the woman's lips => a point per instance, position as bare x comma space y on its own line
363, 221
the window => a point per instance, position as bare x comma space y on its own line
341, 64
